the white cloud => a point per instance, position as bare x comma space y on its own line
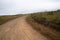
25, 6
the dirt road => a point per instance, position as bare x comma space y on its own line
19, 29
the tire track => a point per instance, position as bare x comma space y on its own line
19, 29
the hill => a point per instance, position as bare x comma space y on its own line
46, 23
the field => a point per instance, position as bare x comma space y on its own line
51, 19
4, 19
47, 23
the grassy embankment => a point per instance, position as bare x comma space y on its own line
47, 23
4, 19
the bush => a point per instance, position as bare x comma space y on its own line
51, 19
50, 13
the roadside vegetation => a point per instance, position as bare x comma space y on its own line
47, 23
4, 19
51, 19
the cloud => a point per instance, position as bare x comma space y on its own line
26, 6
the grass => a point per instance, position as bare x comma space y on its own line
51, 19
46, 23
4, 19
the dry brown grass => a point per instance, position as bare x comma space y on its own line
47, 31
4, 19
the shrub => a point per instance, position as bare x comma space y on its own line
51, 19
50, 13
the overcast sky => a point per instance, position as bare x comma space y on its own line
27, 6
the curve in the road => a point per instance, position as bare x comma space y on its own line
19, 29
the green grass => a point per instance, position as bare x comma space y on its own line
4, 19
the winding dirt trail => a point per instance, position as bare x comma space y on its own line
19, 29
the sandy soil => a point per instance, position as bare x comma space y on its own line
19, 29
